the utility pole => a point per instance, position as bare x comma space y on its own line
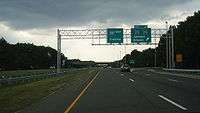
119, 58
172, 38
58, 51
170, 49
120, 55
125, 53
166, 44
155, 56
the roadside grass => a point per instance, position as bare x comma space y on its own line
8, 78
20, 73
192, 73
14, 98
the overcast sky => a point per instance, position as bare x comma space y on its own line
36, 21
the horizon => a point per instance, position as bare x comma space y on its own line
37, 24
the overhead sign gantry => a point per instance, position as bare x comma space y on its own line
139, 35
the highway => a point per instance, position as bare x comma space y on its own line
113, 91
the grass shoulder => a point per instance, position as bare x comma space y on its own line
14, 98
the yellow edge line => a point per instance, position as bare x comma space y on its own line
78, 97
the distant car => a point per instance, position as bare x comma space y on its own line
125, 68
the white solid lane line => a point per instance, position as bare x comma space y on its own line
173, 80
170, 101
147, 74
91, 71
131, 80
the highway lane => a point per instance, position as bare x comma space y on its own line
181, 89
111, 91
56, 101
139, 92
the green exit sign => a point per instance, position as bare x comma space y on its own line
114, 35
131, 62
140, 34
140, 26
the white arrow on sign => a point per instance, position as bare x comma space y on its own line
147, 39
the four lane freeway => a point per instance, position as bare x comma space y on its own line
112, 91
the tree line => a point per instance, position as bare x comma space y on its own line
26, 56
29, 56
186, 41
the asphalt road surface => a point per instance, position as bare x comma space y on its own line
141, 91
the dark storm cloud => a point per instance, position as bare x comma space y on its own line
27, 14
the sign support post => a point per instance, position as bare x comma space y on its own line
58, 51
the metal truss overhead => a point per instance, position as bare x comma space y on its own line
99, 36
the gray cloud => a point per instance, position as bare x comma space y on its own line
27, 14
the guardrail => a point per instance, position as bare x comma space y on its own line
6, 79
182, 70
29, 78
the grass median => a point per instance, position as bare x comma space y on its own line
14, 98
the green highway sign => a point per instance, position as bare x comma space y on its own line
140, 26
140, 34
131, 62
114, 35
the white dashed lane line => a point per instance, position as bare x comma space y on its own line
147, 74
173, 80
131, 80
173, 103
